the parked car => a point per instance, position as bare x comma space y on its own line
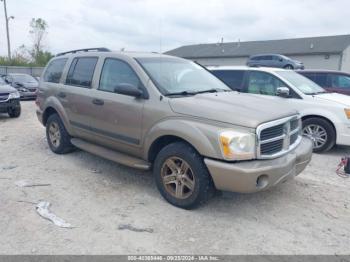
25, 84
9, 100
274, 60
325, 115
183, 122
332, 81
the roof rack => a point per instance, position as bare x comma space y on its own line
98, 49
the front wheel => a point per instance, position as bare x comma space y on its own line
321, 132
14, 112
182, 177
290, 67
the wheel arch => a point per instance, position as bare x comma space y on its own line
161, 142
172, 130
322, 117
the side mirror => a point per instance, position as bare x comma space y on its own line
282, 92
128, 89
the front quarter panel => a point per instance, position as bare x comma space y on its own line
203, 136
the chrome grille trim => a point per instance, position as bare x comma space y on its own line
287, 146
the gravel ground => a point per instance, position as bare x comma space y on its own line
104, 200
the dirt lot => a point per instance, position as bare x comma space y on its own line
308, 215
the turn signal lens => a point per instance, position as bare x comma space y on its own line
347, 112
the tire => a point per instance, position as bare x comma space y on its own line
325, 131
14, 112
57, 135
196, 176
288, 67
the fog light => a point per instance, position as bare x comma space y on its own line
262, 181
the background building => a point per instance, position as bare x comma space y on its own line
325, 52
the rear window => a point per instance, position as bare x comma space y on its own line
232, 78
54, 70
81, 71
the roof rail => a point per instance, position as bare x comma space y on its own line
98, 49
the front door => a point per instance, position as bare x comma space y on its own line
117, 118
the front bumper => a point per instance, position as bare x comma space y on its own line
343, 134
258, 175
9, 104
28, 95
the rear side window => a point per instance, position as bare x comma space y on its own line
234, 78
117, 72
54, 70
81, 71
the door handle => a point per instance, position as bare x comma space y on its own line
98, 102
61, 95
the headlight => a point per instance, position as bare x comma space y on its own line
14, 95
347, 112
22, 89
237, 145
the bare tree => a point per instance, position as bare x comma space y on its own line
37, 32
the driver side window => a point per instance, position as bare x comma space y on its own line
116, 72
263, 83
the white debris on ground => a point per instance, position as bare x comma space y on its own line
26, 183
43, 209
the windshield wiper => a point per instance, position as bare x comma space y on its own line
182, 93
317, 93
192, 93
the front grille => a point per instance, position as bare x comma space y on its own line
4, 96
278, 137
271, 132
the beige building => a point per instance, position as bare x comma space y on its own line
325, 52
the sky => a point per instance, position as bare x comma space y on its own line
161, 25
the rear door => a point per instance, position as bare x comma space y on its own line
76, 95
117, 118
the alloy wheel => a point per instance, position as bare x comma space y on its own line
317, 134
54, 134
178, 178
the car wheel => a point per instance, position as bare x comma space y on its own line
14, 112
57, 135
288, 67
321, 132
182, 177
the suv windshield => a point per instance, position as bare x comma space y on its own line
304, 84
23, 78
174, 76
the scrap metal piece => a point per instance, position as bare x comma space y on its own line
43, 209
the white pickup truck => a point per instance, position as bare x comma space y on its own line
325, 116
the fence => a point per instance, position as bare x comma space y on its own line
34, 71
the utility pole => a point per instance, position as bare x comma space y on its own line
7, 19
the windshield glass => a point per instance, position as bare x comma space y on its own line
23, 78
2, 81
304, 84
174, 76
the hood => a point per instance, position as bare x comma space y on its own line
30, 84
7, 89
232, 107
334, 97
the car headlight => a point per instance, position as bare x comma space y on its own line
237, 145
22, 89
14, 95
347, 112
